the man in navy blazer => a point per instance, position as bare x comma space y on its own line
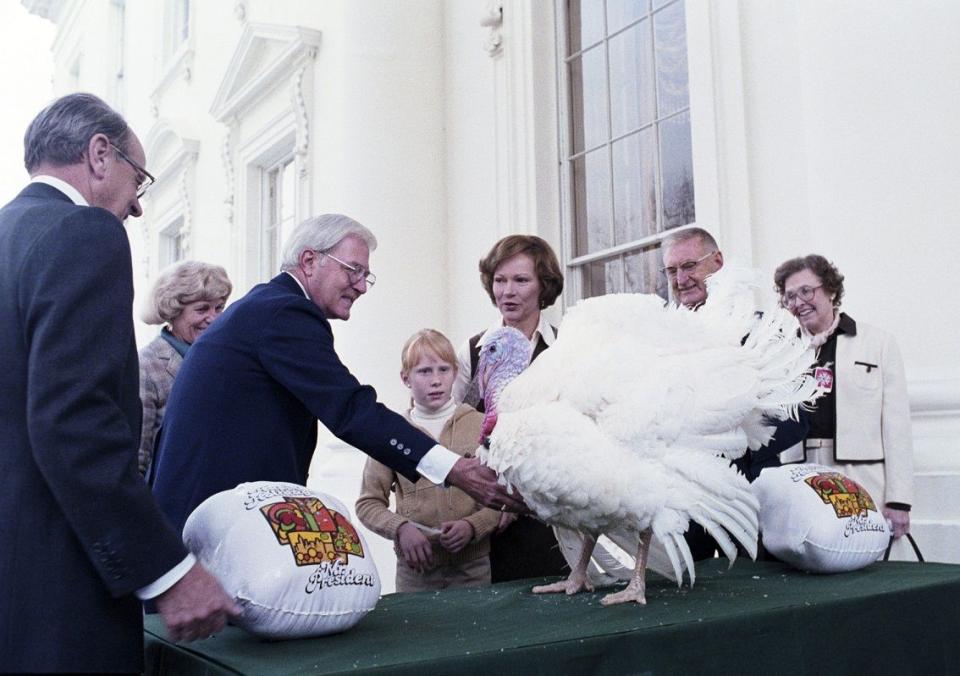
80, 535
245, 404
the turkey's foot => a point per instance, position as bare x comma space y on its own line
572, 585
635, 592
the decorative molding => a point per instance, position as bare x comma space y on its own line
269, 64
145, 248
240, 10
264, 54
718, 124
525, 124
175, 159
180, 67
302, 144
492, 20
65, 15
226, 155
934, 397
185, 225
169, 152
48, 9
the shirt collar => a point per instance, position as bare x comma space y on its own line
63, 187
287, 272
846, 325
543, 330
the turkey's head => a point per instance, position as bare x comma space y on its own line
504, 355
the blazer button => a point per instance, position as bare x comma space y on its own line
393, 442
407, 452
399, 447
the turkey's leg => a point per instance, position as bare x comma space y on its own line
577, 580
637, 588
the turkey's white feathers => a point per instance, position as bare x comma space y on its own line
628, 421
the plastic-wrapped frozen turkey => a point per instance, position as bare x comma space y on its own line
818, 519
289, 556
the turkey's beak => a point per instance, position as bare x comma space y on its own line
482, 377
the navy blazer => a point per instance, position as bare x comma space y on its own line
79, 530
245, 404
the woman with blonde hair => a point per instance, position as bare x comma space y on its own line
186, 297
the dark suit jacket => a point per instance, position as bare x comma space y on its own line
245, 404
79, 531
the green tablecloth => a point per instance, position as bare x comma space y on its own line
901, 618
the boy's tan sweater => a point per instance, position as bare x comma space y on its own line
426, 503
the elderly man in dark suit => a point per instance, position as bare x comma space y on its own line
690, 256
245, 404
80, 535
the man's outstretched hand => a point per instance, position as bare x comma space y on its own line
480, 482
196, 606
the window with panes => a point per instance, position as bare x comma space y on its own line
625, 140
278, 215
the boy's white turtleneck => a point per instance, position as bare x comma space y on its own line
433, 421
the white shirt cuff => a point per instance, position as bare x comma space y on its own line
167, 580
437, 463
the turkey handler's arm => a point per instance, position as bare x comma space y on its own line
480, 483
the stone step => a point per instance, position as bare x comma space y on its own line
939, 541
936, 495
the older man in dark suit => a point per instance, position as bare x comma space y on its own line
80, 535
690, 256
245, 404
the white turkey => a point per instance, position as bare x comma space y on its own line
626, 426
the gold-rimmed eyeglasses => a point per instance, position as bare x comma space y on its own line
144, 178
687, 266
354, 272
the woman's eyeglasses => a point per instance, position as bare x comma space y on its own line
804, 293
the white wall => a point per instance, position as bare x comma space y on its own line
853, 147
853, 141
471, 163
501, 154
383, 150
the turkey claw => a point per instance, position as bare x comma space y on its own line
570, 586
628, 595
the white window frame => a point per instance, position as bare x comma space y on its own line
176, 28
274, 144
718, 137
270, 224
119, 19
171, 243
267, 106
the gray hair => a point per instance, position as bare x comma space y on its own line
706, 239
322, 233
181, 284
59, 134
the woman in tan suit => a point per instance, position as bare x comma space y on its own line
186, 297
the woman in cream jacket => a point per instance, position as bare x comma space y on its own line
861, 425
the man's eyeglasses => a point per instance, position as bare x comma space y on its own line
687, 266
354, 272
804, 293
144, 178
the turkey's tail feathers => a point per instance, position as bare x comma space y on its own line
714, 495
